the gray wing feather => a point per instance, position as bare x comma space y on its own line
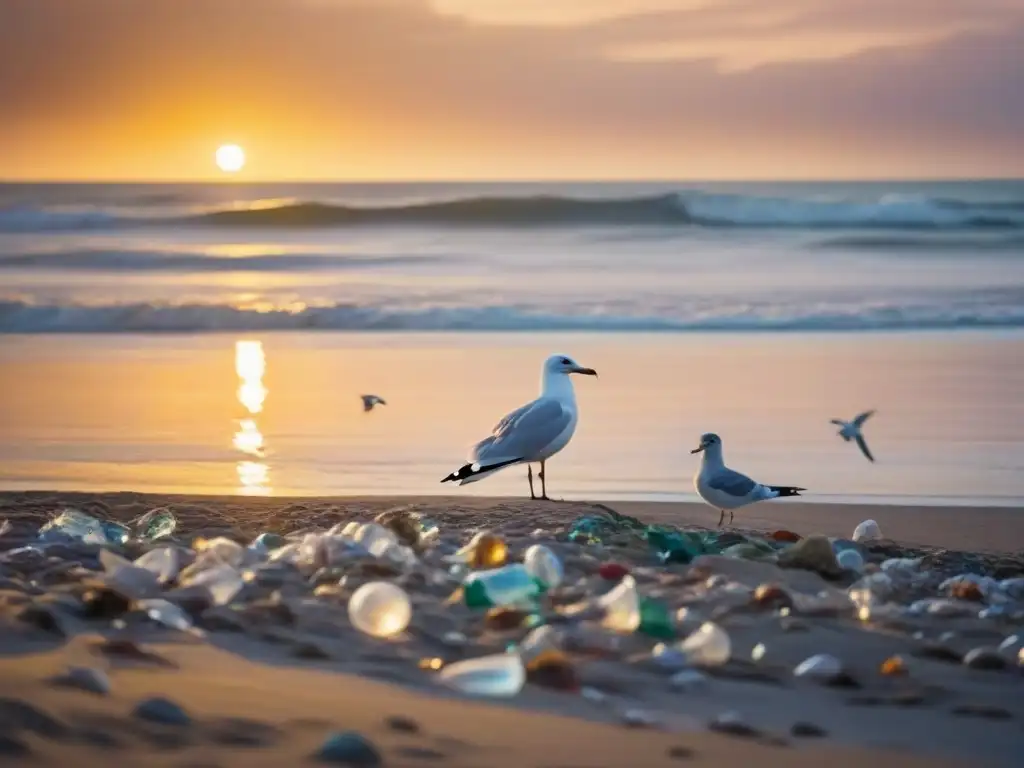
731, 482
864, 448
863, 417
522, 433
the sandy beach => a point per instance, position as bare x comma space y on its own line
269, 687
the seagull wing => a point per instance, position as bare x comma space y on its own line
862, 418
864, 447
731, 482
523, 433
837, 422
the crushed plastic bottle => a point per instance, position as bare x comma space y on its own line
164, 562
221, 549
501, 675
656, 619
156, 524
127, 579
867, 531
222, 581
511, 585
709, 646
484, 551
821, 668
166, 613
266, 543
73, 524
540, 641
621, 606
380, 609
544, 566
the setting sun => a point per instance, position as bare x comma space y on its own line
230, 158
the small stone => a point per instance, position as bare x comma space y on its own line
850, 560
680, 753
553, 669
867, 531
104, 603
311, 651
402, 724
772, 597
822, 668
812, 554
13, 747
501, 619
938, 652
348, 748
894, 666
669, 658
164, 711
638, 718
593, 694
132, 651
612, 571
983, 711
85, 679
689, 680
967, 590
807, 730
44, 617
733, 724
984, 658
785, 536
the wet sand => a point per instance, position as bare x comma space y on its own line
255, 696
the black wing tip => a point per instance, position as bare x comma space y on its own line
788, 490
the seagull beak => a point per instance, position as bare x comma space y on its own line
585, 371
699, 448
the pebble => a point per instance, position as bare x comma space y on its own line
349, 748
638, 718
86, 679
984, 658
807, 730
402, 724
689, 680
822, 668
593, 694
164, 711
812, 554
732, 723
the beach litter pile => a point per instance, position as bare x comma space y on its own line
640, 622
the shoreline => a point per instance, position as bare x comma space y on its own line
265, 678
970, 528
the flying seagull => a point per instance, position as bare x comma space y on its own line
727, 489
533, 433
371, 400
850, 430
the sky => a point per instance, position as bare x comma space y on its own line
512, 89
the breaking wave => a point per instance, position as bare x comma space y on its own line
19, 316
675, 209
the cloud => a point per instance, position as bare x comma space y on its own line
336, 88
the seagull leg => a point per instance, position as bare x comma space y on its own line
543, 483
721, 517
731, 512
529, 476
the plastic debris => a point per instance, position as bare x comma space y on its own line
163, 562
543, 565
612, 571
349, 748
484, 551
500, 675
222, 581
758, 651
821, 668
709, 646
894, 666
867, 531
127, 579
166, 613
380, 609
850, 560
656, 619
669, 657
688, 680
266, 543
155, 524
510, 585
76, 525
621, 606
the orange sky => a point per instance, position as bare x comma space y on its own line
445, 89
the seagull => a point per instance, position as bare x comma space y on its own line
725, 488
371, 400
850, 430
533, 433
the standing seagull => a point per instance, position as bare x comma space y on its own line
533, 433
371, 400
850, 430
725, 488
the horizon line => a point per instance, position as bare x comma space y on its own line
499, 180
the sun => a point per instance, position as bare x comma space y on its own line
230, 158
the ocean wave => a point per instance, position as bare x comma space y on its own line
681, 209
20, 316
162, 261
928, 243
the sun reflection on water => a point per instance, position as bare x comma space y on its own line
250, 365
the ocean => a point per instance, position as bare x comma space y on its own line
759, 311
